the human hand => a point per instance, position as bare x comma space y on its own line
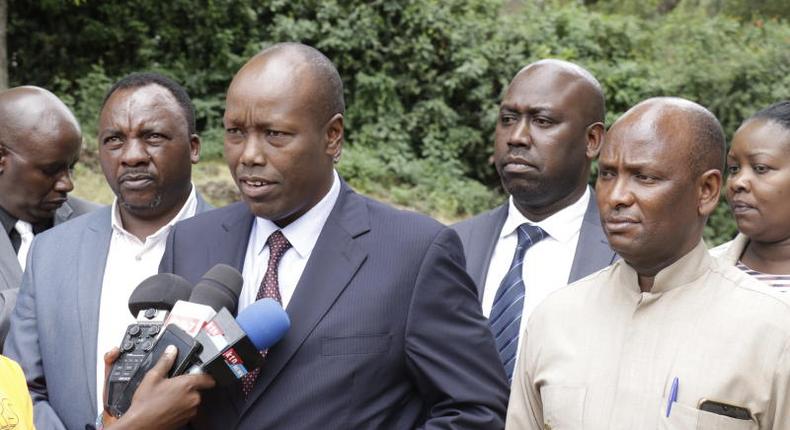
161, 402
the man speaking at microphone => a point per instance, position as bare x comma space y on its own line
72, 306
386, 331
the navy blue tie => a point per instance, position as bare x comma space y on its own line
505, 318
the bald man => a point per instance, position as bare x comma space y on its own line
667, 337
386, 331
548, 233
39, 143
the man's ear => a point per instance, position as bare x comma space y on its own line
3, 158
709, 187
194, 148
595, 136
334, 137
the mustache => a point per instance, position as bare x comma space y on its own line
132, 174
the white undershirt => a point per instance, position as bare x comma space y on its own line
547, 264
129, 262
302, 234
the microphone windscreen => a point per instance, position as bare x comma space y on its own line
265, 323
220, 287
160, 291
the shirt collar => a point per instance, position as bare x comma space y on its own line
561, 226
9, 221
303, 232
684, 271
187, 210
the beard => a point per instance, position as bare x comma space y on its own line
134, 206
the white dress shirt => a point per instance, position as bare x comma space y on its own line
129, 262
302, 234
547, 264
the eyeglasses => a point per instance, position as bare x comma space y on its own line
53, 171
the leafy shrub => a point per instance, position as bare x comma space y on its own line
422, 78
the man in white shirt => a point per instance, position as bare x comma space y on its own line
549, 129
73, 303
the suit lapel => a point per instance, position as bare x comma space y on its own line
93, 251
485, 237
332, 264
10, 271
232, 247
202, 204
592, 251
63, 213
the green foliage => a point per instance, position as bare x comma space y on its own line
422, 78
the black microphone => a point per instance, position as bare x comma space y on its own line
150, 303
219, 288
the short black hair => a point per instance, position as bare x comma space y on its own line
142, 79
708, 142
777, 112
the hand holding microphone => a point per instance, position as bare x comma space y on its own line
159, 402
224, 347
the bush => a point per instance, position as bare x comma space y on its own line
422, 78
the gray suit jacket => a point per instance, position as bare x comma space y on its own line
54, 325
11, 271
481, 233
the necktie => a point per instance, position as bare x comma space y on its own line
505, 318
269, 288
25, 231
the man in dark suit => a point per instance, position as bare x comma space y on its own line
73, 301
386, 331
548, 234
40, 141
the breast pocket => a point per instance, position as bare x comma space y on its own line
711, 421
355, 345
563, 407
686, 417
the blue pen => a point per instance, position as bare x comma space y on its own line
673, 395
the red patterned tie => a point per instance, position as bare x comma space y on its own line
270, 288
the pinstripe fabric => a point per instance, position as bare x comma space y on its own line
505, 318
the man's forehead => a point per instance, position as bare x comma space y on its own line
647, 138
542, 87
272, 72
141, 102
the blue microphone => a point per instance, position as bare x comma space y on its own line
231, 347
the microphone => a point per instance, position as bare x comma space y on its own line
150, 302
219, 288
231, 347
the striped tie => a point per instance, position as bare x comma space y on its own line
505, 318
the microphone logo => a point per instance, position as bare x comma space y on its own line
235, 363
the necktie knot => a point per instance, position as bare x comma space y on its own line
270, 288
528, 235
278, 244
